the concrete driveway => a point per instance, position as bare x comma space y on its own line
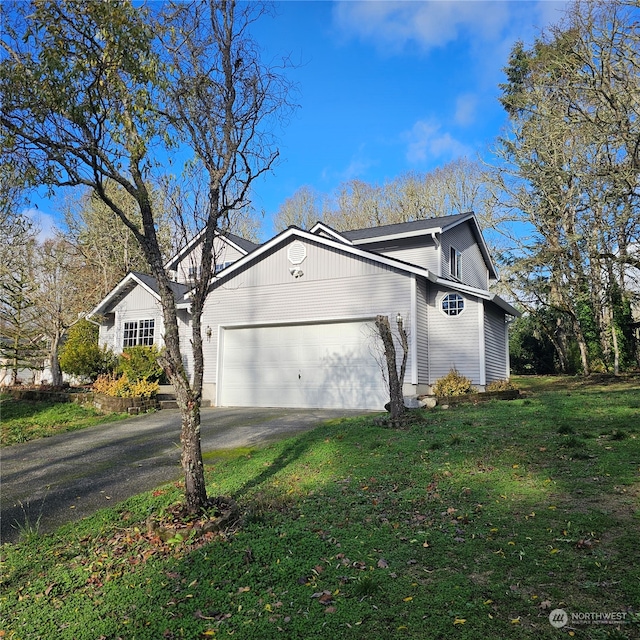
72, 475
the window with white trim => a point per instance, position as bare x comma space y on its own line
455, 263
138, 333
221, 266
453, 304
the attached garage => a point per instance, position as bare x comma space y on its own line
325, 365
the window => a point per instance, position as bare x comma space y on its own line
453, 304
138, 333
221, 266
455, 264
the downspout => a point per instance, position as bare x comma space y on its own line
482, 344
438, 244
414, 329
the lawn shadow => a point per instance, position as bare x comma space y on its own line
292, 452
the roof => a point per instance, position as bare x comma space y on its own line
133, 279
348, 247
399, 230
243, 245
440, 223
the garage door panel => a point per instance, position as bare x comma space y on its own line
323, 365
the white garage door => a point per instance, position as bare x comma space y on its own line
313, 365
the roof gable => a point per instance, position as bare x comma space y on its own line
240, 244
425, 226
132, 280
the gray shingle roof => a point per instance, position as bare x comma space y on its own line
243, 243
404, 227
179, 290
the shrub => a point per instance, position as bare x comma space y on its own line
501, 385
453, 384
122, 387
140, 363
81, 355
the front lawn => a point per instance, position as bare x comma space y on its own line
24, 420
474, 522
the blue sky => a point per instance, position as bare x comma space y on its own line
386, 87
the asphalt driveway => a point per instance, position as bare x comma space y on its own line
72, 475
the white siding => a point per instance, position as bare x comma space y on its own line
334, 287
425, 257
453, 340
223, 253
423, 332
139, 304
495, 331
474, 268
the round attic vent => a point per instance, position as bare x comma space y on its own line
297, 252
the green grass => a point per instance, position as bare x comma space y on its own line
357, 531
23, 420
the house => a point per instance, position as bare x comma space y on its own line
290, 323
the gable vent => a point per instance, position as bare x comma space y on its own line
297, 252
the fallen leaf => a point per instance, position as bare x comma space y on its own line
408, 599
47, 591
330, 610
244, 589
201, 616
545, 604
459, 621
382, 563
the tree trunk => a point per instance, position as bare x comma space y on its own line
56, 373
396, 398
191, 459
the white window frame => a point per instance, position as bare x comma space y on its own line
455, 263
223, 265
452, 311
138, 333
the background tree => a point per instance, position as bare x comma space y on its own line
60, 296
303, 209
457, 187
109, 249
95, 93
571, 173
21, 341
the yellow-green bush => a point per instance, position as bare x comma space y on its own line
453, 384
501, 385
122, 387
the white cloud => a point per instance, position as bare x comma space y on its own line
466, 109
489, 28
427, 142
394, 25
44, 223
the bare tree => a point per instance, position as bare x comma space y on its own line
97, 93
394, 377
303, 209
571, 168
